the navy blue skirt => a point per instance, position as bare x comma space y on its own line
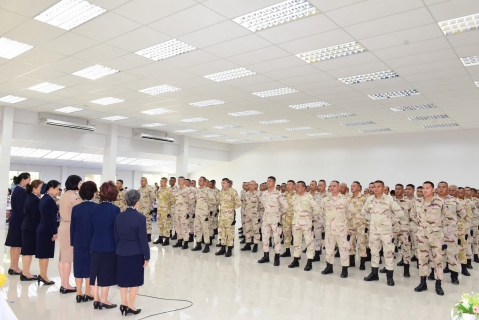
103, 269
130, 271
29, 242
14, 237
81, 263
45, 247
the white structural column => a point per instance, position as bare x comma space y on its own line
182, 157
110, 153
5, 151
64, 176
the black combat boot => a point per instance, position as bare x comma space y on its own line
219, 245
317, 256
255, 248
454, 278
207, 248
446, 269
178, 244
192, 238
368, 254
215, 231
373, 276
185, 245
476, 258
173, 236
344, 272
229, 253
276, 259
159, 240
413, 258
464, 270
247, 247
270, 242
197, 247
383, 270
328, 269
304, 251
469, 264
265, 258
149, 237
242, 236
337, 254
439, 290
406, 271
361, 265
166, 242
295, 263
431, 275
390, 279
309, 265
400, 263
422, 286
352, 260
287, 253
222, 251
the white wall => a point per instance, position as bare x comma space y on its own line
395, 158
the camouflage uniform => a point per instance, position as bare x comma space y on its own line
243, 211
288, 219
472, 227
146, 204
274, 206
204, 199
120, 200
357, 225
229, 202
166, 200
464, 230
182, 207
413, 231
336, 213
213, 207
403, 227
319, 224
173, 189
430, 218
252, 223
305, 210
451, 235
475, 227
382, 214
191, 211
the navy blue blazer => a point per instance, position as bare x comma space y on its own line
48, 215
31, 213
80, 225
19, 196
102, 221
130, 234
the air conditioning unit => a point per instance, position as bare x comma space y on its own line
64, 124
140, 135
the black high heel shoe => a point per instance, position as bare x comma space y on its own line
96, 304
128, 310
25, 278
79, 298
64, 290
87, 298
107, 306
47, 283
13, 272
123, 308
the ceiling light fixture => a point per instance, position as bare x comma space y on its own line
470, 61
336, 115
214, 135
153, 125
274, 121
309, 105
20, 152
12, 99
53, 155
230, 74
459, 25
275, 137
107, 101
432, 117
95, 72
359, 123
275, 92
237, 140
245, 113
68, 109
186, 130
319, 134
477, 83
115, 118
338, 51
299, 128
68, 14
68, 155
440, 125
415, 107
154, 91
10, 49
375, 130
227, 126
206, 103
248, 133
380, 75
191, 120
46, 87
394, 94
166, 50
156, 111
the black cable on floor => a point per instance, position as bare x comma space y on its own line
156, 314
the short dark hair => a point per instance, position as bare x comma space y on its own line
474, 189
52, 184
272, 178
188, 180
444, 183
181, 177
173, 178
164, 178
429, 182
72, 182
410, 185
302, 182
225, 179
20, 177
119, 180
379, 181
420, 187
399, 185
88, 190
292, 181
278, 185
371, 183
108, 191
323, 181
213, 181
335, 181
357, 183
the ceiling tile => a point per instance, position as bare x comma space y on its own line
100, 53
106, 27
147, 11
138, 39
214, 34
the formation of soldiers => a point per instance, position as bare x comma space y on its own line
432, 225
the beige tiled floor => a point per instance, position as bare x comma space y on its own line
240, 288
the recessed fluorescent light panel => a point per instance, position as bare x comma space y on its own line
360, 123
275, 92
336, 115
214, 135
153, 125
20, 152
375, 130
191, 120
433, 117
186, 130
459, 25
319, 134
277, 14
477, 83
244, 113
69, 109
440, 125
68, 14
230, 74
54, 154
394, 94
206, 103
166, 50
248, 133
95, 72
274, 121
309, 105
68, 155
381, 75
412, 108
115, 118
106, 101
154, 91
299, 128
338, 51
10, 49
470, 61
156, 111
275, 137
227, 126
237, 140
46, 87
12, 99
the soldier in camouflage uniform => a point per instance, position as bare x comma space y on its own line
474, 215
204, 199
288, 218
474, 234
305, 211
464, 230
120, 200
410, 188
430, 214
166, 200
146, 203
382, 212
229, 202
335, 212
243, 212
214, 209
251, 204
318, 225
174, 188
358, 225
191, 211
457, 213
182, 207
475, 200
274, 206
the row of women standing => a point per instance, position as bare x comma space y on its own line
104, 245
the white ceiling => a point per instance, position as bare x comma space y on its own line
399, 35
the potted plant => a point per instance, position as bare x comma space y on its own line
3, 279
467, 308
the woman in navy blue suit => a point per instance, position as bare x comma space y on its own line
29, 228
80, 239
132, 251
47, 230
14, 235
103, 246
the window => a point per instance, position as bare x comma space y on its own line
153, 177
95, 178
34, 175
